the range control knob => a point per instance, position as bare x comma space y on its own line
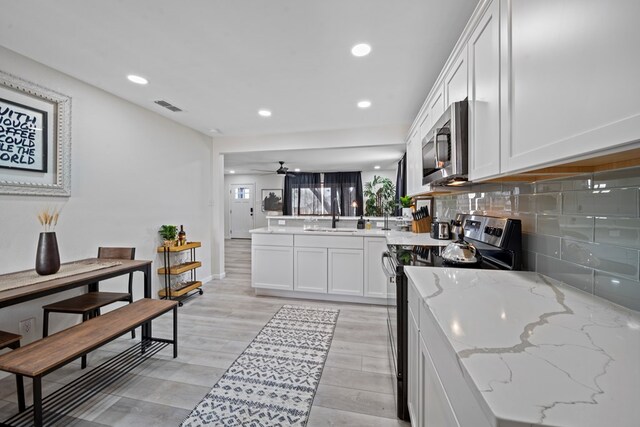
488, 230
497, 232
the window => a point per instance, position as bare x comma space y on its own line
242, 193
316, 194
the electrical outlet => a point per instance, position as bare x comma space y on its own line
27, 326
281, 222
379, 224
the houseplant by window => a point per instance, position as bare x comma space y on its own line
405, 201
380, 194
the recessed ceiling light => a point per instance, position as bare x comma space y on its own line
297, 169
137, 79
361, 49
376, 167
365, 103
264, 113
232, 171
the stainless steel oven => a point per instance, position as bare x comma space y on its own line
444, 148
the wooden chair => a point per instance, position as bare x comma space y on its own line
89, 304
12, 341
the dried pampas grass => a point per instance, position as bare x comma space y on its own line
48, 218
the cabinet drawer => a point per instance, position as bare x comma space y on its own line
338, 242
465, 405
272, 239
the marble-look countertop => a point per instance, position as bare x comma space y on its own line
393, 237
535, 351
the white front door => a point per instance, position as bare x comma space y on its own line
241, 197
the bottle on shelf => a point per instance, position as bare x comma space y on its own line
182, 236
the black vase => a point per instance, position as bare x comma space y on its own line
47, 256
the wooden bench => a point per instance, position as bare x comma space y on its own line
48, 354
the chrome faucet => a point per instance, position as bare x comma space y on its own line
334, 215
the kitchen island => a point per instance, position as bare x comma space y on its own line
339, 264
499, 348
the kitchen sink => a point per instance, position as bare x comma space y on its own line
332, 230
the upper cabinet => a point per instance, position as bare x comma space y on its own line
571, 72
484, 95
548, 82
455, 82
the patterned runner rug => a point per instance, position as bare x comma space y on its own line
273, 382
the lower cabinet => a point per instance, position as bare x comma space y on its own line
310, 270
346, 276
272, 267
375, 281
434, 408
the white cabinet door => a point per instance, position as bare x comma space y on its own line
375, 280
455, 82
346, 272
434, 406
414, 163
573, 78
484, 96
413, 336
436, 105
272, 267
310, 269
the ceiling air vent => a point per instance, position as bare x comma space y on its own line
168, 106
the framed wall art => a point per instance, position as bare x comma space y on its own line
272, 200
35, 139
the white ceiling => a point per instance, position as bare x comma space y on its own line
316, 160
222, 60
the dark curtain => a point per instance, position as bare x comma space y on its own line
294, 197
401, 183
346, 187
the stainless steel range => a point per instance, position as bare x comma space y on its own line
499, 242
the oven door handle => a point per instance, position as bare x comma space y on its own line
387, 272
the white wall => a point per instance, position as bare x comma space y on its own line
132, 170
270, 181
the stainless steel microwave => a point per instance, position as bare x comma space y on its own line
445, 148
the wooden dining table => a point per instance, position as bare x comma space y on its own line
90, 279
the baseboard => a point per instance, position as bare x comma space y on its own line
219, 276
206, 279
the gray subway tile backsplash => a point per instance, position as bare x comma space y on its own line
618, 289
612, 259
622, 202
583, 230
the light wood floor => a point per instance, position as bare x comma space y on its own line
355, 388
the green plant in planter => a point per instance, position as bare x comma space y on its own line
380, 194
168, 232
405, 201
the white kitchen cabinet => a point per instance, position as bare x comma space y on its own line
434, 407
456, 80
310, 269
375, 280
484, 96
414, 163
436, 104
272, 267
346, 275
413, 337
572, 76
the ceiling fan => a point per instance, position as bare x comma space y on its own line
282, 170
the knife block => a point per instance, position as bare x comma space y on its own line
421, 225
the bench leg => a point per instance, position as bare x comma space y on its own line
20, 390
175, 331
37, 401
83, 364
45, 324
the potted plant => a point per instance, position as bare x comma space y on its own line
380, 194
405, 201
168, 234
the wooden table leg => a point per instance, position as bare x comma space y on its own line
37, 401
146, 328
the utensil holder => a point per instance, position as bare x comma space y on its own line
421, 225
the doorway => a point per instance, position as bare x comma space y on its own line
241, 206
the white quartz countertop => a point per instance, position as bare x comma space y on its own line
535, 351
393, 237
